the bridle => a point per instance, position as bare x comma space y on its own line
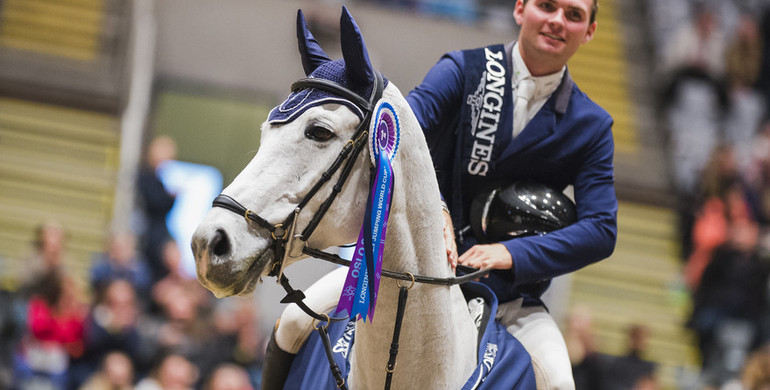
287, 244
283, 234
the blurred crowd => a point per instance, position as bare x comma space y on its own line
138, 321
592, 370
714, 75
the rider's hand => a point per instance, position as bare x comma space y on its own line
449, 240
495, 256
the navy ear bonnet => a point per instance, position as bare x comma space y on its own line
359, 78
300, 101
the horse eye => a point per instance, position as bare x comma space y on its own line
318, 133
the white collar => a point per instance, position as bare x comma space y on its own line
544, 85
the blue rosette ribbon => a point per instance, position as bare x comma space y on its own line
359, 293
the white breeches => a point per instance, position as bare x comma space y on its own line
538, 333
532, 326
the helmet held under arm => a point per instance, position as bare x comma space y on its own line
520, 209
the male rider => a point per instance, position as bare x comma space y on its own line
506, 113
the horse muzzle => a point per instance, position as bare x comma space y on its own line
228, 264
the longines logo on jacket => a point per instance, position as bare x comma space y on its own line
486, 104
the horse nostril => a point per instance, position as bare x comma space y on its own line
220, 245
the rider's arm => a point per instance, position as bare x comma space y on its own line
435, 102
593, 236
439, 97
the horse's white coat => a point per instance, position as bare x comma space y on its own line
438, 338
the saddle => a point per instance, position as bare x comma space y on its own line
502, 361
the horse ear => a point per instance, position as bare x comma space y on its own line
357, 63
309, 49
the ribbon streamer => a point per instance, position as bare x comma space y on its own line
359, 293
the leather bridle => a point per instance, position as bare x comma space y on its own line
283, 234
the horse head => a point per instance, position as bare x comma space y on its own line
300, 140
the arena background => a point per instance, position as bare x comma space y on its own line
85, 84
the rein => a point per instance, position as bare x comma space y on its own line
284, 238
469, 273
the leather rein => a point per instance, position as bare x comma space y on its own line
286, 243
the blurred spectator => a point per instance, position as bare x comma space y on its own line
665, 18
49, 254
183, 327
694, 106
747, 106
182, 321
709, 231
174, 372
113, 324
12, 326
699, 44
176, 279
116, 373
756, 371
632, 371
694, 102
155, 202
55, 333
724, 200
764, 72
759, 173
646, 383
228, 376
729, 302
720, 173
744, 54
121, 261
587, 363
238, 339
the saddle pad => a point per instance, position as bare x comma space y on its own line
502, 360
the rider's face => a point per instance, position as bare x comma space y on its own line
552, 31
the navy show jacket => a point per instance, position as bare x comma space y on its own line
568, 142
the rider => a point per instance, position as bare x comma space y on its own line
506, 113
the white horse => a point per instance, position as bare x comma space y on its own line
438, 337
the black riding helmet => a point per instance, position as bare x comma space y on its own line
521, 209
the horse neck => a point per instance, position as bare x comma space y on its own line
436, 320
415, 240
415, 234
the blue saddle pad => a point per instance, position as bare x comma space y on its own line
503, 363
